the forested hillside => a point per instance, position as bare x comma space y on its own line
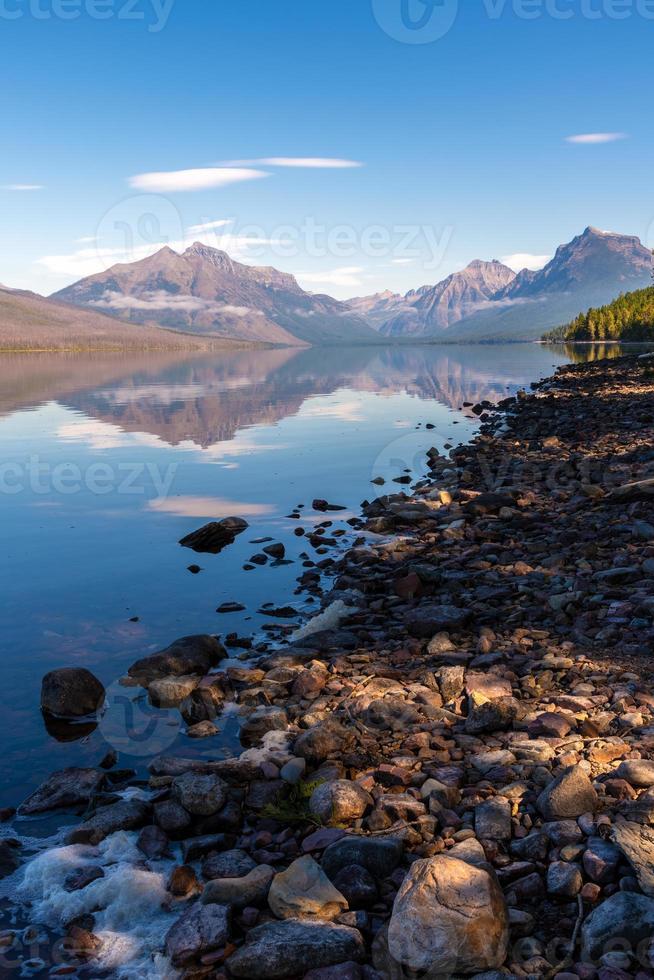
629, 317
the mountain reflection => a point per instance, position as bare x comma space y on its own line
206, 399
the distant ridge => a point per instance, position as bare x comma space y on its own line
475, 305
31, 322
432, 309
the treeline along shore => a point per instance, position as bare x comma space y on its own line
456, 777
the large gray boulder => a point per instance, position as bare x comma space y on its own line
339, 802
324, 741
187, 656
71, 692
625, 916
569, 795
201, 930
449, 917
201, 794
291, 948
638, 772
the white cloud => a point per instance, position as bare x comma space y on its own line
595, 138
348, 276
525, 260
323, 163
22, 187
166, 182
206, 226
402, 261
311, 163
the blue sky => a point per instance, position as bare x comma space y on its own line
461, 142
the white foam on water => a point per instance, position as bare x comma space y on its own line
134, 907
329, 619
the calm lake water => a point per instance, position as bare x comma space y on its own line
107, 461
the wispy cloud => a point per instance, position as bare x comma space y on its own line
311, 163
22, 187
206, 226
596, 138
525, 260
167, 182
348, 276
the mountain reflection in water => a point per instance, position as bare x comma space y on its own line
206, 398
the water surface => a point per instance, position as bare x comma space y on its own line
107, 461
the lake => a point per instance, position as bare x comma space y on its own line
107, 461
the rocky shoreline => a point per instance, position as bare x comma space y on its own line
457, 779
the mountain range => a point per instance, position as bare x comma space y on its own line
204, 297
488, 301
204, 291
434, 309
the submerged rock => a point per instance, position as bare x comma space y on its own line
71, 692
213, 537
188, 655
67, 788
